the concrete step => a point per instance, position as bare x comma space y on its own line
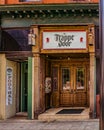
50, 115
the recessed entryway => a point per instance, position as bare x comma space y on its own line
70, 83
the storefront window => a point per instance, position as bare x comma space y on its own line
66, 79
80, 78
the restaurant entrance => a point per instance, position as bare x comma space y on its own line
70, 83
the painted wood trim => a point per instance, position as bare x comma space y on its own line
30, 87
23, 7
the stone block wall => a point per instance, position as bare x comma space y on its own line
11, 107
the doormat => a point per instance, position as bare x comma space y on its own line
70, 111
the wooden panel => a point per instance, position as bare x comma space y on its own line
55, 87
66, 99
80, 99
55, 99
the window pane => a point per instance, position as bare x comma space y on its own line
65, 78
80, 78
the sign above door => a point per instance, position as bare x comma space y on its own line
65, 39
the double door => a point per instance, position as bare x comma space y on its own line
70, 85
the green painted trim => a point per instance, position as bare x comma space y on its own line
12, 23
26, 15
30, 87
48, 6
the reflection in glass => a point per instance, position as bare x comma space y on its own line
80, 78
66, 79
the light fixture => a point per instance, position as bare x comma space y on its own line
90, 37
31, 38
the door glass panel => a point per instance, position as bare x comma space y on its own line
55, 78
66, 79
80, 78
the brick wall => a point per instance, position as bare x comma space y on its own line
45, 1
2, 2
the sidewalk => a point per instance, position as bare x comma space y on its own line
14, 124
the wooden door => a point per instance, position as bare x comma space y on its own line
73, 85
80, 86
55, 87
66, 86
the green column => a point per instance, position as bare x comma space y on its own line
30, 87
